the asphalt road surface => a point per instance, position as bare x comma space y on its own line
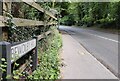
103, 46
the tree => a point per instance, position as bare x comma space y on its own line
90, 13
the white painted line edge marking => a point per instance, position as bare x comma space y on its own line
106, 38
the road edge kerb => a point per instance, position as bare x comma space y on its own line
98, 60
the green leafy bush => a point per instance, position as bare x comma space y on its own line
49, 67
87, 19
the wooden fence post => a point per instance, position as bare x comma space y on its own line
35, 56
1, 38
6, 8
1, 13
5, 51
44, 29
1, 7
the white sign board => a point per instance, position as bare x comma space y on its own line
21, 49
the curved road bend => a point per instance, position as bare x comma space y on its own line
103, 46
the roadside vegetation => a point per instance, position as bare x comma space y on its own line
48, 47
102, 14
49, 61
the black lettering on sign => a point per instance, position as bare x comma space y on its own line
21, 49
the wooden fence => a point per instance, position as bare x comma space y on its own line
15, 51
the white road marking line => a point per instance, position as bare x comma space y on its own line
106, 38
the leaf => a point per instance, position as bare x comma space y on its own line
3, 59
8, 76
3, 66
16, 77
16, 64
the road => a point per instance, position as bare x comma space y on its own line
103, 46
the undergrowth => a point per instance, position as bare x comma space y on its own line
49, 61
